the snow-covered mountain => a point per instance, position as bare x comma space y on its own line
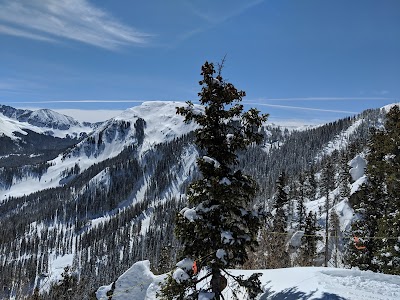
142, 127
36, 137
42, 121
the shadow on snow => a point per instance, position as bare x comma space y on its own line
294, 294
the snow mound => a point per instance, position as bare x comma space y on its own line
139, 283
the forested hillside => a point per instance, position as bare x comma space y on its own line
110, 200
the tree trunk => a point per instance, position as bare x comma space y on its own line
218, 283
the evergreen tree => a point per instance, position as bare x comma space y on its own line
277, 254
328, 184
281, 196
388, 254
65, 287
301, 209
344, 178
377, 202
220, 226
388, 250
310, 184
308, 248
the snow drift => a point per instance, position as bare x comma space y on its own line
139, 283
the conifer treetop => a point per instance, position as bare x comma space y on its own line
218, 134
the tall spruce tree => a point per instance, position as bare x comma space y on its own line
308, 247
327, 185
301, 209
220, 226
344, 177
277, 254
310, 184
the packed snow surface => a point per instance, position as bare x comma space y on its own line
140, 283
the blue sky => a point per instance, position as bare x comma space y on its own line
309, 60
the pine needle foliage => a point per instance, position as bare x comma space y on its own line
220, 226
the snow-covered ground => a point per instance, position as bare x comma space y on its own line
139, 283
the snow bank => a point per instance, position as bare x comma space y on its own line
139, 283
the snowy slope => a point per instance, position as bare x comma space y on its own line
9, 126
139, 283
162, 124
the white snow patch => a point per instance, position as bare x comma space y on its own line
211, 161
221, 253
356, 185
295, 240
135, 283
145, 224
56, 268
185, 264
180, 275
345, 213
225, 181
190, 214
386, 108
229, 137
357, 165
227, 237
216, 82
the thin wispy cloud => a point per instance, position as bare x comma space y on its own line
18, 86
381, 92
25, 34
302, 108
82, 101
55, 20
215, 16
90, 101
218, 16
325, 99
